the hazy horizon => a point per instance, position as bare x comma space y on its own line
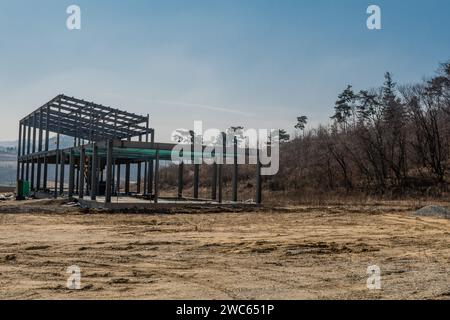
256, 63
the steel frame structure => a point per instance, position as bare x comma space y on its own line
104, 140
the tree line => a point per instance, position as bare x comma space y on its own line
392, 140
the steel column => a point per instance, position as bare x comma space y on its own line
28, 149
19, 147
62, 173
94, 169
180, 180
109, 177
71, 173
57, 162
33, 177
118, 179
139, 173
235, 171
22, 173
157, 176
258, 177
151, 168
196, 179
81, 173
39, 164
214, 181
47, 139
220, 168
127, 177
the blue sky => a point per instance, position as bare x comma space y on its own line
257, 63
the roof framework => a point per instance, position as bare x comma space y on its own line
87, 120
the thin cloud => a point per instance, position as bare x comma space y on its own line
188, 105
202, 106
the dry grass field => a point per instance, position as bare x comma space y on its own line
297, 252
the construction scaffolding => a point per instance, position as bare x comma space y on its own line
105, 139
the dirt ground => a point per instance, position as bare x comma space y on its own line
297, 252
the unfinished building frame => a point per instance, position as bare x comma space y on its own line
105, 140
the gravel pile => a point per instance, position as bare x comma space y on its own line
433, 211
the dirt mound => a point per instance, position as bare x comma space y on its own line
433, 211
